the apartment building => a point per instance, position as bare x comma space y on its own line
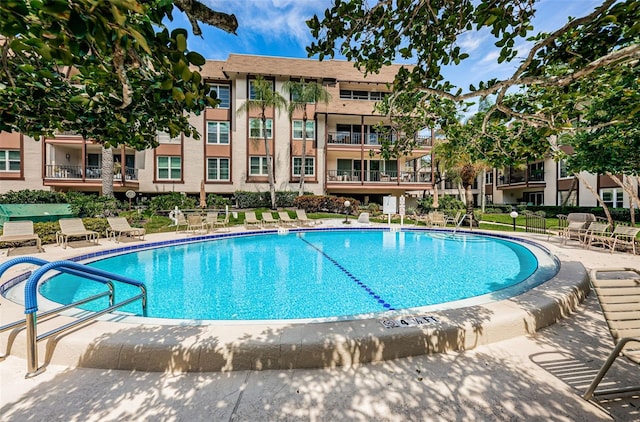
343, 143
547, 182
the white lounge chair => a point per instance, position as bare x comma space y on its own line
250, 220
268, 220
286, 220
119, 226
618, 292
303, 219
20, 231
74, 227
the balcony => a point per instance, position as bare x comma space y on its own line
377, 177
355, 138
73, 172
521, 178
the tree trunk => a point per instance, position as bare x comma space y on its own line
600, 201
272, 185
633, 197
483, 187
304, 154
107, 172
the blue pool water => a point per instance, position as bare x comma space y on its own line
313, 274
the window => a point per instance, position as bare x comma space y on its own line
217, 169
223, 94
347, 94
612, 197
488, 178
258, 166
310, 132
252, 90
309, 168
169, 168
165, 138
562, 169
217, 132
256, 129
9, 160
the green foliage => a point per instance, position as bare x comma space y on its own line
217, 201
169, 201
84, 205
373, 208
322, 203
134, 77
32, 197
246, 199
445, 203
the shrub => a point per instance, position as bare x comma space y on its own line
217, 201
171, 200
245, 199
33, 197
84, 205
322, 203
447, 202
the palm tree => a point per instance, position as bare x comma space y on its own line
304, 93
264, 97
107, 171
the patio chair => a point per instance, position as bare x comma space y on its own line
618, 292
286, 220
196, 223
119, 226
180, 221
622, 236
215, 223
594, 231
250, 220
74, 227
268, 220
438, 219
453, 220
574, 231
20, 231
302, 218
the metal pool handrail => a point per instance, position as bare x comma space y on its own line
31, 301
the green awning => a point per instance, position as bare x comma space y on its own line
34, 212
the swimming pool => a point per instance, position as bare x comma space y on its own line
319, 274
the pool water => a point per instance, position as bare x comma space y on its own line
312, 274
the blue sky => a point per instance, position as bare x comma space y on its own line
277, 28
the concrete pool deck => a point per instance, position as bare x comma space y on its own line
520, 378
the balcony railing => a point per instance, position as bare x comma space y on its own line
375, 176
92, 172
355, 138
519, 177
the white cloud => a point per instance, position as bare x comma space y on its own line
471, 41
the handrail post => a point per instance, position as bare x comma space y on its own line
32, 345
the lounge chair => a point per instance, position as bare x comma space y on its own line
286, 220
268, 220
618, 292
302, 218
574, 231
119, 226
250, 220
622, 236
74, 227
214, 222
20, 231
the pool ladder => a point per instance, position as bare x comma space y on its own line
31, 301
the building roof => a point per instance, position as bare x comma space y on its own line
340, 70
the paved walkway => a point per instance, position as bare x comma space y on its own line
537, 378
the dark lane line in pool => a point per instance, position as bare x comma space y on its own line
351, 276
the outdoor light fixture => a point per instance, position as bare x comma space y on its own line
347, 204
514, 215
